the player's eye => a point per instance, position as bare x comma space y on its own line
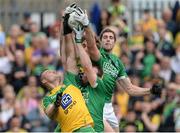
105, 37
111, 37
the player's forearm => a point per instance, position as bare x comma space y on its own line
63, 54
139, 91
91, 44
90, 37
87, 65
62, 48
51, 111
69, 47
132, 89
84, 58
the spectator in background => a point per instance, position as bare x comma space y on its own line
7, 106
168, 124
38, 119
3, 83
148, 58
14, 125
163, 32
43, 65
150, 117
32, 84
177, 20
6, 59
34, 31
43, 50
35, 45
25, 27
148, 22
19, 72
131, 123
165, 40
177, 79
155, 75
127, 63
54, 38
15, 40
166, 73
177, 114
95, 16
122, 104
170, 24
18, 111
2, 36
137, 39
27, 101
177, 40
105, 20
175, 61
117, 9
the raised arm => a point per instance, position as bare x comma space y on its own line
62, 48
91, 44
84, 57
82, 17
68, 45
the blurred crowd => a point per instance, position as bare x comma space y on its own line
150, 53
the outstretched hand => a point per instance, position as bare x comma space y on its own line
156, 89
81, 16
71, 8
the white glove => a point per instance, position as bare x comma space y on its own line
79, 33
81, 16
71, 8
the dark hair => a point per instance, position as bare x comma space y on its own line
107, 30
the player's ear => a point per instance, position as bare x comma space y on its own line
43, 81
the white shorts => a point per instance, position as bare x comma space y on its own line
109, 115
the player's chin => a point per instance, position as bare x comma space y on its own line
108, 49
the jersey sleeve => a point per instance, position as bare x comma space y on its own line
46, 101
101, 86
122, 71
100, 61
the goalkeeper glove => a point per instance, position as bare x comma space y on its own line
67, 11
79, 33
81, 17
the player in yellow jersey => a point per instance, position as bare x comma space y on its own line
65, 104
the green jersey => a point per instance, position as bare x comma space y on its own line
113, 69
94, 98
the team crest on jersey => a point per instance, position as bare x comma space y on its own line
66, 101
108, 68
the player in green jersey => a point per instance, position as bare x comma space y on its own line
92, 87
113, 69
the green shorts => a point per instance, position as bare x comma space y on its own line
85, 129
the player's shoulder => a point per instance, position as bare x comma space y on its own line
46, 97
115, 57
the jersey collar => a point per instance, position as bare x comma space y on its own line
53, 91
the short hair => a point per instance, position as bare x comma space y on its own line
40, 76
107, 30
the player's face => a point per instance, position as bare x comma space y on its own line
108, 41
51, 76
